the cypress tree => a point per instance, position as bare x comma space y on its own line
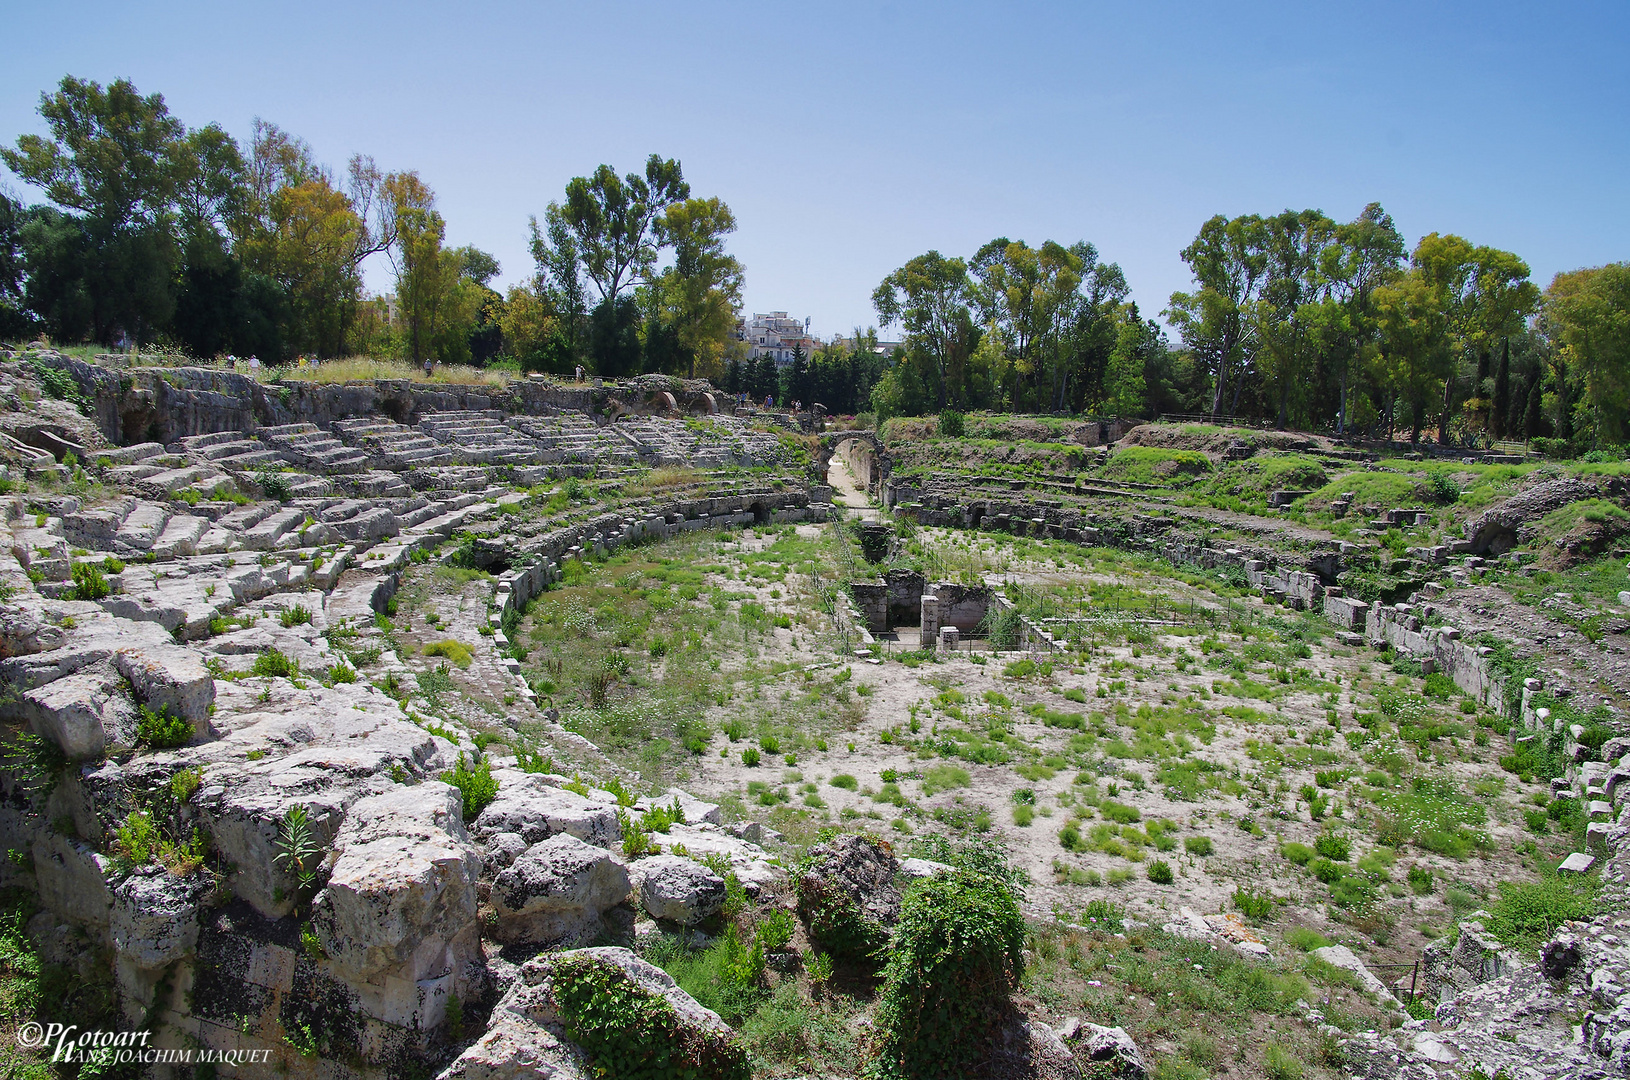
1500, 408
1531, 416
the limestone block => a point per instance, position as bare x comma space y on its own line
527, 805
678, 889
526, 1039
72, 880
154, 916
1342, 957
559, 889
403, 886
170, 677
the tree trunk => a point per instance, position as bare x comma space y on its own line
1443, 418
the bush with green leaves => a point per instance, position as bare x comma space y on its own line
1198, 845
475, 784
296, 850
628, 1032
1160, 872
1334, 846
957, 954
161, 730
275, 485
1528, 912
274, 664
89, 582
1253, 905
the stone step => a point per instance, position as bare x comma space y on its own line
168, 482
131, 455
267, 434
181, 536
142, 526
266, 535
250, 460
196, 444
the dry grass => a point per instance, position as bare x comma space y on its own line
362, 369
664, 478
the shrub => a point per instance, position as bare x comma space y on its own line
89, 582
1352, 891
475, 784
749, 757
456, 651
1003, 626
1197, 845
161, 730
844, 781
274, 664
1300, 854
1334, 847
1119, 812
297, 615
626, 1031
952, 424
1420, 879
1529, 912
774, 931
1300, 937
1443, 488
1325, 870
957, 953
1280, 1064
274, 485
1160, 872
1253, 905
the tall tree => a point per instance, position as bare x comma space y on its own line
558, 281
697, 296
611, 218
1500, 400
929, 297
1588, 313
1368, 252
1293, 245
1229, 265
104, 263
1415, 356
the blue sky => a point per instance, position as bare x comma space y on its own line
848, 138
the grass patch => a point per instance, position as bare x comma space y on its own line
456, 651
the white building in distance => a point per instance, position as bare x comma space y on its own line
775, 335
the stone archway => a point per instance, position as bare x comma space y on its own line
881, 464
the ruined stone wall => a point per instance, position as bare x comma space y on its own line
166, 404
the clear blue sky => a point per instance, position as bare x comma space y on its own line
848, 138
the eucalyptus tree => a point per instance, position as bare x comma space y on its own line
931, 297
1230, 267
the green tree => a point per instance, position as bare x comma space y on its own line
1415, 356
612, 220
929, 297
558, 282
1288, 307
14, 320
105, 262
1230, 267
697, 296
1588, 314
